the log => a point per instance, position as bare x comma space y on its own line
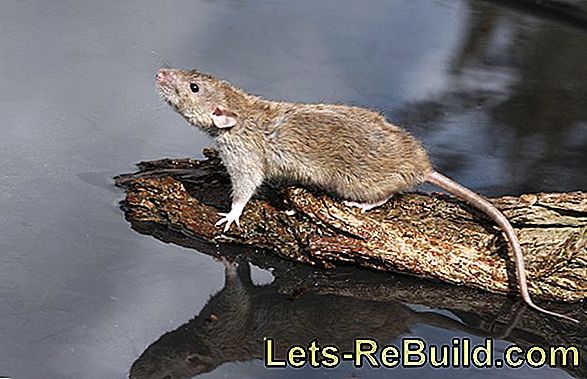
433, 236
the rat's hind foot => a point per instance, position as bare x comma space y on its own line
365, 206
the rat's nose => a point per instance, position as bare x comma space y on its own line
161, 75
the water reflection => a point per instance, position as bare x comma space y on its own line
231, 327
523, 82
302, 305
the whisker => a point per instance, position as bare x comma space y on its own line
165, 62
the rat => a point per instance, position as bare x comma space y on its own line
350, 152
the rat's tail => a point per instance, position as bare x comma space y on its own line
489, 209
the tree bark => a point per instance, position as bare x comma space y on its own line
433, 236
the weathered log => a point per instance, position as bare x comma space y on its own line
433, 236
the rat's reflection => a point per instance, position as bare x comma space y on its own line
232, 325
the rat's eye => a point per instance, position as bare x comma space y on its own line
194, 87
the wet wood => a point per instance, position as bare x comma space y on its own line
433, 236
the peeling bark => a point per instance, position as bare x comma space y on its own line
432, 236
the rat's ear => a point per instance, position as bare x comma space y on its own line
223, 118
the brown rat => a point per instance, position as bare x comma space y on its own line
350, 152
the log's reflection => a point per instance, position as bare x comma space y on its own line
232, 325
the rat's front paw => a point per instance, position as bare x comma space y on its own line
229, 218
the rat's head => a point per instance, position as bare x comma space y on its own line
202, 99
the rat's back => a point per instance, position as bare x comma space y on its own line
350, 151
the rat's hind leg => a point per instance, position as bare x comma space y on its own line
365, 206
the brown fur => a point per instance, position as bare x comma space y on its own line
350, 152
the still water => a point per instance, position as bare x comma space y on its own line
498, 95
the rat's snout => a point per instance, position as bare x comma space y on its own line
165, 77
160, 75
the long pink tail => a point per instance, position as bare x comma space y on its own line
482, 204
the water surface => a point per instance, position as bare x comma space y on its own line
498, 95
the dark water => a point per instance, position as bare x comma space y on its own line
498, 95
